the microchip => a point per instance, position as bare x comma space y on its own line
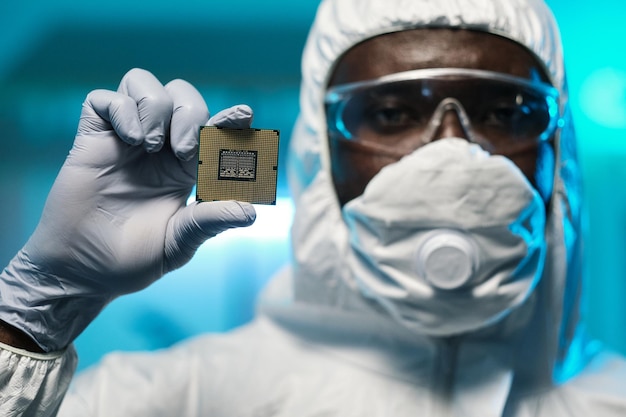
238, 164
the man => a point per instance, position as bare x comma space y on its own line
436, 241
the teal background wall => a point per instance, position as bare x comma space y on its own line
53, 53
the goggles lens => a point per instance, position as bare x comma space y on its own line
503, 111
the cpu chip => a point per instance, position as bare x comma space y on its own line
238, 164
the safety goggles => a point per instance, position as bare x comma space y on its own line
501, 112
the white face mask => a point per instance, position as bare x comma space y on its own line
449, 239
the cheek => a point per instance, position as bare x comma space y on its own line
544, 170
537, 165
527, 162
353, 166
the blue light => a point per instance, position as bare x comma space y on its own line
602, 97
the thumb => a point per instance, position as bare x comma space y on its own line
235, 117
193, 225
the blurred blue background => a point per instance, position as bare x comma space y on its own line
53, 53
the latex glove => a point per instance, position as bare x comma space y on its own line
116, 218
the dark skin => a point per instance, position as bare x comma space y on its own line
353, 166
11, 336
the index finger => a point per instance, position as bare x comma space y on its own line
153, 104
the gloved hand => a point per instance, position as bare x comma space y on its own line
116, 218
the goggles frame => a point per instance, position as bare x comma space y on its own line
336, 98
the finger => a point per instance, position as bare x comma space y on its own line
214, 217
196, 223
105, 110
236, 117
190, 112
153, 103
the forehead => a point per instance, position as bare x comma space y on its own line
435, 48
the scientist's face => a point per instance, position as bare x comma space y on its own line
354, 165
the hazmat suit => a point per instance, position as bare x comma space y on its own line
334, 335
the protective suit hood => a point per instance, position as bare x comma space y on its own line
551, 345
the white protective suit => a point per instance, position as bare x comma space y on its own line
318, 347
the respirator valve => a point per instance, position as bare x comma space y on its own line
447, 259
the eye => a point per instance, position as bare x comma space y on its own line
519, 116
391, 116
507, 115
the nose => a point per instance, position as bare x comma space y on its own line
451, 126
449, 120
